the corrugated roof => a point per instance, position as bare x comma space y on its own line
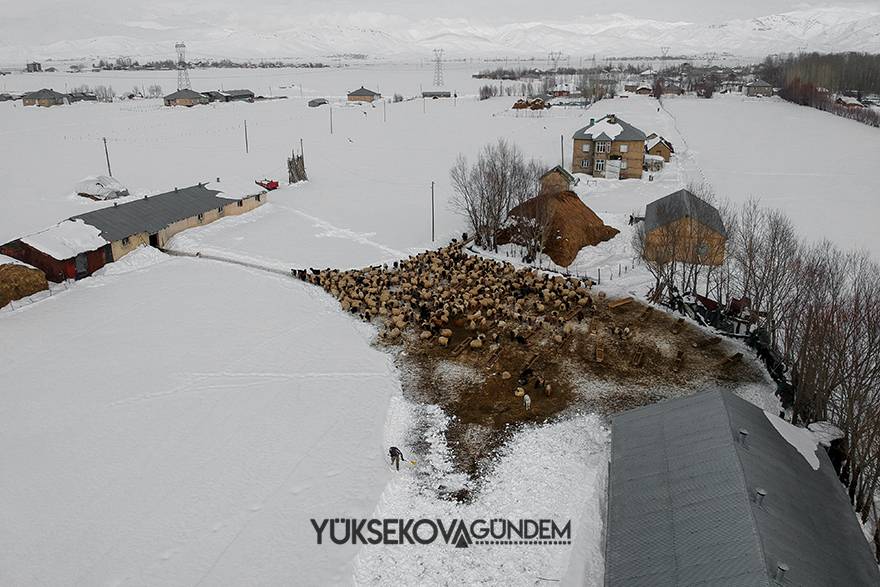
610, 128
681, 510
44, 93
154, 213
682, 204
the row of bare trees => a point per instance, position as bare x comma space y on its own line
819, 306
485, 191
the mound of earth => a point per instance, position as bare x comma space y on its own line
19, 281
570, 225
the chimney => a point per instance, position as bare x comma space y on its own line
760, 494
175, 189
612, 118
781, 569
592, 121
218, 180
115, 204
744, 437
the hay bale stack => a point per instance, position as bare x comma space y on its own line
571, 225
19, 281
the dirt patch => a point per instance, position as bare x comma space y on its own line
476, 335
19, 281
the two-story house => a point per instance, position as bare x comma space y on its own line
609, 144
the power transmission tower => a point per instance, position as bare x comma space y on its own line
438, 68
665, 52
182, 71
553, 59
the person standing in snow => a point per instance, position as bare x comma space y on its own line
396, 455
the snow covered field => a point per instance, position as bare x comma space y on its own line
178, 421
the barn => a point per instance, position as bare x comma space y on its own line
362, 94
45, 97
682, 227
79, 246
185, 97
712, 490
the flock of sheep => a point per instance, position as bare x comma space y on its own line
442, 293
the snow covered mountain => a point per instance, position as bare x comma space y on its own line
854, 28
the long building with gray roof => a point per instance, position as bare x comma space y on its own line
711, 490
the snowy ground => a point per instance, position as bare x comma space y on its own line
193, 414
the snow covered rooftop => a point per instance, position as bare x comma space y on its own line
66, 239
101, 187
684, 505
653, 141
610, 128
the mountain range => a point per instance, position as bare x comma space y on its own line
825, 29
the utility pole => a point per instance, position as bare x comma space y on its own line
107, 155
246, 147
432, 211
331, 119
384, 110
562, 150
423, 104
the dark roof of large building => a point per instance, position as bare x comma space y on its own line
683, 505
682, 204
184, 93
43, 94
154, 213
362, 91
238, 93
610, 128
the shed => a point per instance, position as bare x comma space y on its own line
101, 187
315, 102
557, 180
683, 227
362, 94
238, 95
434, 95
657, 145
712, 490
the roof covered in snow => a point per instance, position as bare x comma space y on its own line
101, 187
682, 204
184, 94
654, 140
610, 128
154, 213
66, 239
684, 509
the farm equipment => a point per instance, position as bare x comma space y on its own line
267, 184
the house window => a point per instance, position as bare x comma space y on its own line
600, 164
624, 148
585, 163
240, 203
125, 242
603, 147
259, 196
585, 147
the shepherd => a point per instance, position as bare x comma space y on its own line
396, 455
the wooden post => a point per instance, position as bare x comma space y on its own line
331, 119
432, 211
561, 151
384, 110
107, 155
246, 147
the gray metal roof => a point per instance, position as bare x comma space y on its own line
682, 204
681, 509
237, 93
628, 132
362, 91
154, 213
758, 83
184, 93
44, 93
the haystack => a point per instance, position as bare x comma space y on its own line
571, 225
18, 281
